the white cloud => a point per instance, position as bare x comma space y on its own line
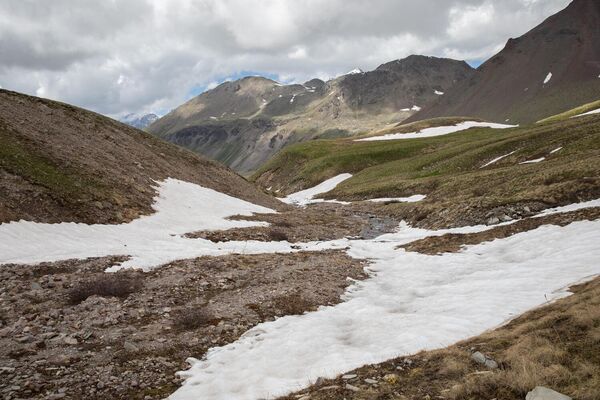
124, 56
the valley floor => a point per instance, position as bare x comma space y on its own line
68, 330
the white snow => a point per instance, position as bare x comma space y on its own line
292, 99
152, 240
439, 93
412, 199
355, 71
416, 108
495, 160
548, 77
537, 160
596, 111
437, 131
556, 150
411, 302
405, 109
306, 197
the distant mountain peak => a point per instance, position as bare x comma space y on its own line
139, 121
355, 71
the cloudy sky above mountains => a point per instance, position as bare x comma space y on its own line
121, 56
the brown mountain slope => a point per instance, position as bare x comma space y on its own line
510, 86
243, 123
62, 163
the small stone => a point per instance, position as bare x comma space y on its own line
392, 379
482, 359
35, 286
70, 340
348, 376
543, 393
493, 221
130, 347
351, 387
371, 381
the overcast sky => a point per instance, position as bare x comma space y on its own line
120, 56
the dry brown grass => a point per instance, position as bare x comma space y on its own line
106, 285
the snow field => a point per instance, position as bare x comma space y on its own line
436, 131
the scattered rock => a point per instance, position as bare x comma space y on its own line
482, 359
352, 387
392, 379
130, 347
348, 377
493, 221
543, 393
70, 340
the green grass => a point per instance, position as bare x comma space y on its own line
448, 168
573, 112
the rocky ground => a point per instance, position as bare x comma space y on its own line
55, 342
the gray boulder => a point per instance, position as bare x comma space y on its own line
542, 393
482, 359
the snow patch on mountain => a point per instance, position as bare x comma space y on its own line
436, 131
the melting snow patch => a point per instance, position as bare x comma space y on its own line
548, 77
556, 150
150, 241
495, 160
537, 160
412, 302
416, 108
596, 111
412, 199
436, 131
439, 93
306, 197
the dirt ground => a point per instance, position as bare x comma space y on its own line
54, 344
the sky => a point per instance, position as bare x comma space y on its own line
138, 56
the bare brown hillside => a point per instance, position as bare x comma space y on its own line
515, 84
62, 163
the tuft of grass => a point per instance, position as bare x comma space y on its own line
107, 285
292, 304
191, 318
277, 235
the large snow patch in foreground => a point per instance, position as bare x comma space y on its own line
150, 241
437, 131
412, 302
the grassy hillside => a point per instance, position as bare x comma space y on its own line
573, 112
448, 169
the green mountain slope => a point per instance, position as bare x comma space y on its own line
448, 169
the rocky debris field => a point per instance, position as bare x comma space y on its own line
70, 331
323, 221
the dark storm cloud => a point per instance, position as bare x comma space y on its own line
119, 56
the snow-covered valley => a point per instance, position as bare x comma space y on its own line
410, 302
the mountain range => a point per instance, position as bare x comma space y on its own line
243, 123
553, 68
139, 121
